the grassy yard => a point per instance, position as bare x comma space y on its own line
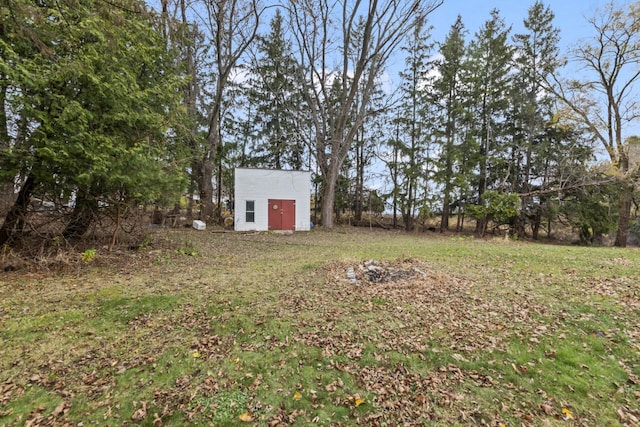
265, 329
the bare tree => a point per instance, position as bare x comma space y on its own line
232, 26
606, 96
350, 41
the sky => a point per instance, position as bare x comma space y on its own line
570, 16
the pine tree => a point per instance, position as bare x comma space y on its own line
390, 156
364, 149
491, 57
413, 120
276, 101
187, 39
448, 92
537, 57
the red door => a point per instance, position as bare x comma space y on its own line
282, 214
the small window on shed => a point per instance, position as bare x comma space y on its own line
250, 211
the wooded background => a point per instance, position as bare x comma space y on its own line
107, 106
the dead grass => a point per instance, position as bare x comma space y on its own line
265, 329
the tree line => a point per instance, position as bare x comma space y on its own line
107, 106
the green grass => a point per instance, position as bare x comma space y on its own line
124, 309
264, 326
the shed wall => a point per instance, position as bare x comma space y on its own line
260, 185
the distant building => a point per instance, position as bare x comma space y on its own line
267, 199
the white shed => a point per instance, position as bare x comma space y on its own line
267, 199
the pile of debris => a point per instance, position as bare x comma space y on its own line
372, 271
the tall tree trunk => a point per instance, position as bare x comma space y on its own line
537, 222
7, 193
218, 211
116, 228
446, 211
81, 217
206, 190
624, 213
520, 222
626, 199
408, 208
448, 170
6, 187
329, 183
359, 190
394, 176
233, 25
460, 221
18, 211
446, 201
190, 98
481, 223
192, 187
210, 162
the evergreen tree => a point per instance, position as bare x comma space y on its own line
94, 87
364, 150
413, 121
537, 57
276, 101
565, 154
489, 82
390, 156
448, 93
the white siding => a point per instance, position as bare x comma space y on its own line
260, 185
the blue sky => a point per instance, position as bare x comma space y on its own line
570, 16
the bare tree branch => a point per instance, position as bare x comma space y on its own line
360, 37
608, 102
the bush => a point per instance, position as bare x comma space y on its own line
501, 208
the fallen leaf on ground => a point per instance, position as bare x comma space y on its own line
59, 409
246, 417
548, 409
141, 413
568, 415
